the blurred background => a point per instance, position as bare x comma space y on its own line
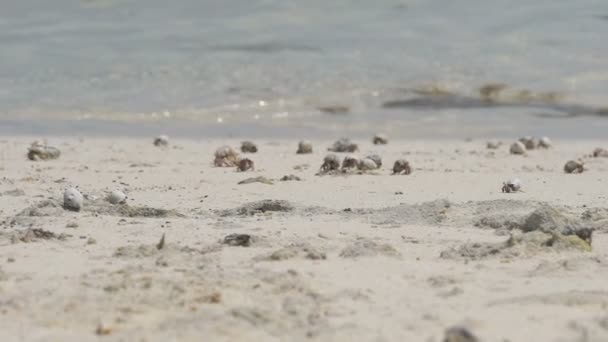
279, 68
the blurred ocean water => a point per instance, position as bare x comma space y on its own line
408, 67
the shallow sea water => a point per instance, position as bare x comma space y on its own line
265, 67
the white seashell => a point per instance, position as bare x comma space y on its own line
117, 197
72, 199
161, 140
367, 164
544, 142
518, 148
512, 185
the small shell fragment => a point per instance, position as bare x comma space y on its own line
380, 139
245, 164
512, 185
304, 147
225, 156
331, 162
344, 145
544, 142
161, 141
517, 148
41, 151
72, 199
574, 166
117, 197
249, 147
402, 166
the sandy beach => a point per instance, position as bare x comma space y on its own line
366, 257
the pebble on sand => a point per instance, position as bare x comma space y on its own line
72, 199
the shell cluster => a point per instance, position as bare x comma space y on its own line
304, 147
225, 156
344, 145
41, 151
530, 143
161, 141
249, 147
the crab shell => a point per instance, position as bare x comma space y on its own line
573, 166
248, 147
72, 199
517, 148
161, 140
402, 166
304, 147
376, 158
529, 142
330, 162
380, 139
367, 164
245, 164
225, 156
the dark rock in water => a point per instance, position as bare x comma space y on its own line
344, 145
258, 207
237, 240
42, 152
249, 147
259, 179
334, 109
290, 178
459, 334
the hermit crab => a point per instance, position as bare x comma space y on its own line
161, 141
245, 164
402, 166
40, 151
331, 162
512, 185
225, 156
350, 162
380, 139
344, 145
574, 166
248, 147
304, 147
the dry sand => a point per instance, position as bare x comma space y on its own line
369, 257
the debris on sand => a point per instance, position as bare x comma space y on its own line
34, 234
344, 145
290, 178
368, 248
334, 109
249, 147
44, 208
296, 250
549, 220
243, 240
258, 207
14, 193
40, 151
259, 179
161, 243
100, 207
459, 334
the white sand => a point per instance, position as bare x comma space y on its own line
395, 288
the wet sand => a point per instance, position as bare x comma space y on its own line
336, 257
